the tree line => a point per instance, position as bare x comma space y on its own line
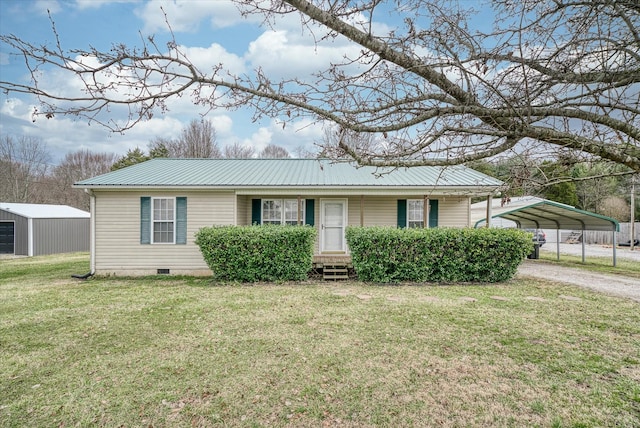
28, 174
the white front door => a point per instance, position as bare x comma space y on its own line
333, 218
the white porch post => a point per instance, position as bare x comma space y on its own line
425, 214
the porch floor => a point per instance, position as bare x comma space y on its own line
332, 260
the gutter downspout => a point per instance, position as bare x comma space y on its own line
92, 232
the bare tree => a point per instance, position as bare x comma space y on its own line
305, 152
616, 207
238, 151
24, 162
338, 143
273, 151
74, 167
197, 140
437, 89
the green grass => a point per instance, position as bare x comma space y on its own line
623, 267
188, 352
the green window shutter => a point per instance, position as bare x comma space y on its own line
309, 212
402, 213
256, 211
145, 220
433, 213
181, 220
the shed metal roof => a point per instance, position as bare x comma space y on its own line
545, 214
292, 173
43, 210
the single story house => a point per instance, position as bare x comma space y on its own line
144, 217
38, 229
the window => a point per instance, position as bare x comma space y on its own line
271, 211
415, 213
163, 221
411, 213
291, 212
281, 211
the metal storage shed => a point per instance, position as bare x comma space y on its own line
39, 229
537, 213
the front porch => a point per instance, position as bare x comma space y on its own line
319, 261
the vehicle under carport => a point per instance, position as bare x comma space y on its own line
545, 214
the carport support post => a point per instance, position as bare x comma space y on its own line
633, 212
614, 246
583, 237
558, 243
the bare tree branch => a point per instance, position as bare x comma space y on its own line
432, 90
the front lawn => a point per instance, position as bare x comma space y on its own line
187, 352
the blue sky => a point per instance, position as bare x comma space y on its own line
211, 31
208, 31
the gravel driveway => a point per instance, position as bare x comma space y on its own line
614, 285
622, 253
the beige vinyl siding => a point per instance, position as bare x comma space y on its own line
453, 212
243, 211
117, 228
378, 211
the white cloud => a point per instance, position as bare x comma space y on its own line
208, 58
186, 15
63, 134
42, 6
94, 4
281, 55
223, 125
301, 133
259, 139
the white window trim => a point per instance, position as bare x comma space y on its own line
283, 219
422, 223
154, 221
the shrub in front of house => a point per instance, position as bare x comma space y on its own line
258, 253
389, 255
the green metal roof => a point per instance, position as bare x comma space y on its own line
292, 173
546, 214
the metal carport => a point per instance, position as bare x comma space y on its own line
545, 214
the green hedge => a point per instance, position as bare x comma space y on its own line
258, 253
383, 254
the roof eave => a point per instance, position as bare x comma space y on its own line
308, 189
